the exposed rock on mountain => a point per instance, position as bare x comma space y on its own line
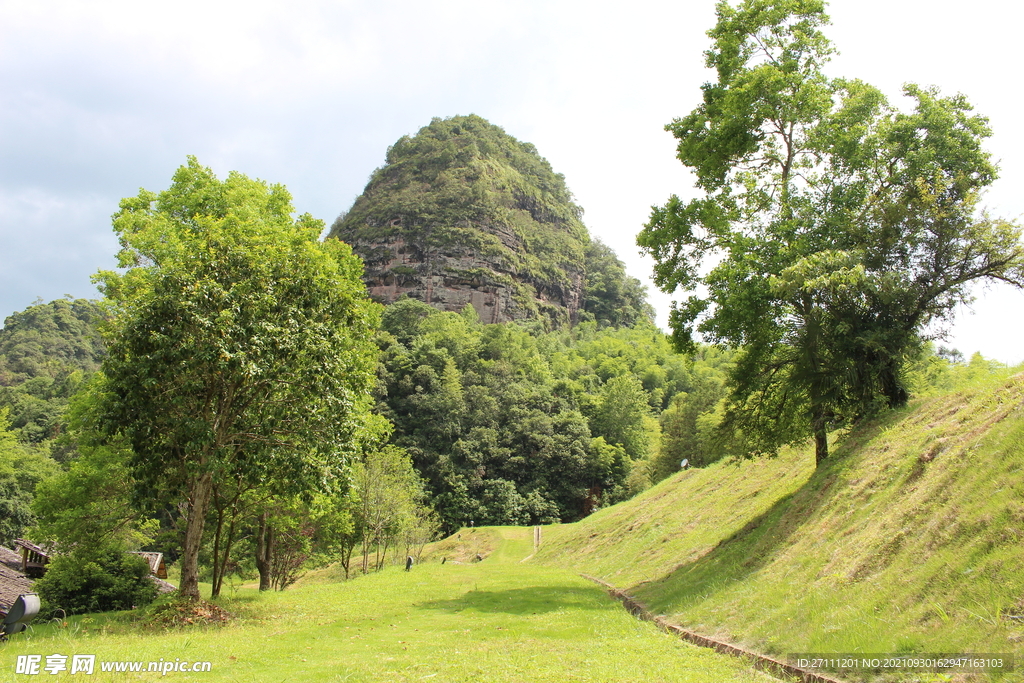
463, 213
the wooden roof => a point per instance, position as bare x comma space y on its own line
22, 543
154, 560
10, 559
12, 582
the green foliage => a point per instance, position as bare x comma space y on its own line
682, 436
939, 371
611, 297
96, 580
387, 506
22, 468
47, 338
511, 424
90, 502
841, 226
15, 509
239, 345
619, 417
46, 352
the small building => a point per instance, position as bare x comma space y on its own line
156, 563
33, 558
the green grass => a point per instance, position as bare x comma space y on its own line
495, 620
910, 539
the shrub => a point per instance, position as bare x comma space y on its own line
98, 581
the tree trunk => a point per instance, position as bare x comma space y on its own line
218, 571
819, 425
895, 393
264, 550
198, 503
221, 561
817, 380
820, 445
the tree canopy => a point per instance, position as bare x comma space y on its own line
514, 424
46, 352
239, 346
833, 228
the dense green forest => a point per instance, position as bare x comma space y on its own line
512, 424
45, 353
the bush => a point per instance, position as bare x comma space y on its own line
101, 581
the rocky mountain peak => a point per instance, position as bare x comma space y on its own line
463, 213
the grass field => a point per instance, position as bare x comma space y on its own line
495, 620
910, 539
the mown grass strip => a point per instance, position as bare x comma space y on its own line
496, 620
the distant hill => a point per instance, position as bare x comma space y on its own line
463, 213
45, 353
910, 539
46, 339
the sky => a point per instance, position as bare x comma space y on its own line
102, 98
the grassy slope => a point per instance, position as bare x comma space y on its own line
909, 539
495, 620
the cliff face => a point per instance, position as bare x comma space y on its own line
463, 213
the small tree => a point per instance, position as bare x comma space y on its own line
96, 580
389, 491
240, 345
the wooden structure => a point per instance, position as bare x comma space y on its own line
156, 563
33, 558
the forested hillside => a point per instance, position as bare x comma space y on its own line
512, 424
47, 352
463, 213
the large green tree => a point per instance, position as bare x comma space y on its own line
830, 228
239, 346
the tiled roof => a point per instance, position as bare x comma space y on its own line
10, 559
12, 584
162, 586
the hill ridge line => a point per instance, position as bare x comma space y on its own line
760, 662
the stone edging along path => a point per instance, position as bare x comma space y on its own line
761, 662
